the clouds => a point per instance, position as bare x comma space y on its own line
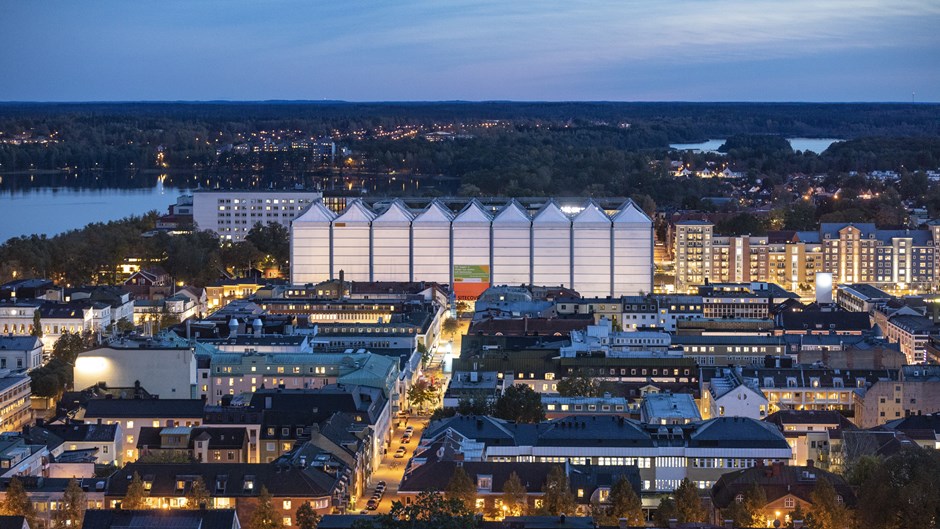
465, 49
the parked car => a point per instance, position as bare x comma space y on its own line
372, 505
409, 430
400, 453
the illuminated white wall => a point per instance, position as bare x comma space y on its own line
310, 245
351, 242
511, 246
823, 288
633, 251
591, 247
430, 234
169, 373
391, 244
551, 247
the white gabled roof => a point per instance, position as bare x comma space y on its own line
435, 213
551, 214
512, 213
630, 212
397, 212
473, 212
591, 214
356, 211
316, 212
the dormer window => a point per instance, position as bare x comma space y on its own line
249, 483
485, 483
220, 484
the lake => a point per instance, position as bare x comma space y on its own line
816, 145
53, 210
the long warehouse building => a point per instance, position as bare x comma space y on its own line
595, 251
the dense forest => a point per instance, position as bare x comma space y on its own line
119, 136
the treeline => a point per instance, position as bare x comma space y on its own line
118, 136
91, 255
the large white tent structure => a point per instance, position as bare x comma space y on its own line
596, 251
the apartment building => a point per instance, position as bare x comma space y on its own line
232, 213
664, 454
852, 252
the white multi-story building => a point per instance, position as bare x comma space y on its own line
231, 213
597, 251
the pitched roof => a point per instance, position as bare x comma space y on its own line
144, 408
160, 519
89, 433
777, 481
226, 479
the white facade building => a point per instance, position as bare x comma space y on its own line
232, 213
597, 252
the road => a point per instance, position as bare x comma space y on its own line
391, 470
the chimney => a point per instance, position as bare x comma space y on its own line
810, 463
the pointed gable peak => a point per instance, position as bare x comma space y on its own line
435, 212
630, 212
473, 212
591, 213
512, 213
396, 212
316, 212
356, 211
550, 213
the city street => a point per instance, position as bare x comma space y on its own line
391, 469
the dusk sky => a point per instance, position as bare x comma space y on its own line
650, 50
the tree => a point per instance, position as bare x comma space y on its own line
430, 510
750, 511
17, 502
37, 325
515, 496
273, 240
901, 491
558, 498
450, 326
198, 495
519, 403
797, 514
666, 511
688, 503
264, 515
578, 386
827, 511
461, 487
135, 497
71, 511
625, 503
307, 518
425, 353
422, 393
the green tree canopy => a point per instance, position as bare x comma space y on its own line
519, 403
265, 516
827, 511
17, 502
430, 510
558, 498
71, 511
462, 488
136, 495
198, 495
578, 386
689, 503
515, 496
625, 503
307, 517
